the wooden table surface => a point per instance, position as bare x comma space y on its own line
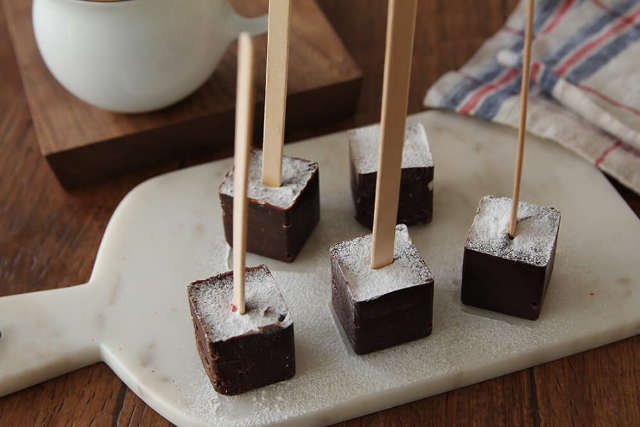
49, 238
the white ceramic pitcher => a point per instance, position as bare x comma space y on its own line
136, 55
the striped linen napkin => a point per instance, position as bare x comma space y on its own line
585, 81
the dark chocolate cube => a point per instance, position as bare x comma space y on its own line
509, 275
242, 352
280, 219
384, 307
415, 204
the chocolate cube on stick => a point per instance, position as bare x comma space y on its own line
242, 352
511, 247
382, 290
504, 274
244, 333
284, 195
416, 183
280, 219
383, 307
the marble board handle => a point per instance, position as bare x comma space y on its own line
45, 334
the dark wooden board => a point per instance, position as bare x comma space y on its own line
49, 238
83, 143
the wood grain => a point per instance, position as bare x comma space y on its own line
597, 388
84, 144
244, 128
401, 24
49, 238
275, 98
522, 127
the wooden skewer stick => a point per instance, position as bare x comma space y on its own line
401, 23
275, 101
522, 129
244, 129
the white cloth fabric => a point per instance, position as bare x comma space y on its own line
585, 81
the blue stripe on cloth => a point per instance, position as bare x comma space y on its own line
604, 55
547, 79
588, 30
543, 12
455, 96
492, 103
618, 9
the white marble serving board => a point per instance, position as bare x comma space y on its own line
133, 313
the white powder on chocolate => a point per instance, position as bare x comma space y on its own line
264, 305
535, 234
408, 268
364, 144
296, 173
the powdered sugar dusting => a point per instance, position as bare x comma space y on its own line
408, 268
536, 233
364, 144
264, 303
296, 173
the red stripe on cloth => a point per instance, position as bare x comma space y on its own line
601, 5
622, 23
512, 30
482, 91
610, 100
535, 70
555, 19
606, 152
558, 16
513, 72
